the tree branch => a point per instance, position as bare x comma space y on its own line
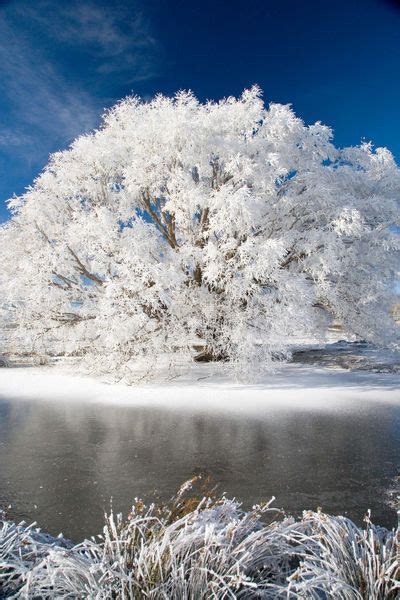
84, 271
167, 231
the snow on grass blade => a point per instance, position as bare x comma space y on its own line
200, 546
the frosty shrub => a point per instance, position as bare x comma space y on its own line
205, 548
191, 231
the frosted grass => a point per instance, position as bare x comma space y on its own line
201, 546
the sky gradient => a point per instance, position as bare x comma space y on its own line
63, 63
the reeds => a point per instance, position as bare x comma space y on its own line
197, 547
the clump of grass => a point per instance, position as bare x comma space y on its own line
200, 545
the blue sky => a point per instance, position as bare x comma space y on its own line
62, 63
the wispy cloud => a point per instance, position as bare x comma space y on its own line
37, 94
9, 137
47, 99
116, 34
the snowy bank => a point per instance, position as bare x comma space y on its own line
202, 547
293, 385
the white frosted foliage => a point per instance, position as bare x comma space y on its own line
181, 231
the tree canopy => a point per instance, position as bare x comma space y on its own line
217, 231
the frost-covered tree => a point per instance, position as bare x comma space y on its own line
216, 231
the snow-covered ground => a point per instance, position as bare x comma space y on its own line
296, 384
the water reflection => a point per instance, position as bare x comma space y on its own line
61, 463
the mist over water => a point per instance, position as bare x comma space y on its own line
61, 463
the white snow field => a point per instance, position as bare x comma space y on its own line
292, 385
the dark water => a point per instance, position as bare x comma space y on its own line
61, 463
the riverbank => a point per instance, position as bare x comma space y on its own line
204, 547
295, 384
